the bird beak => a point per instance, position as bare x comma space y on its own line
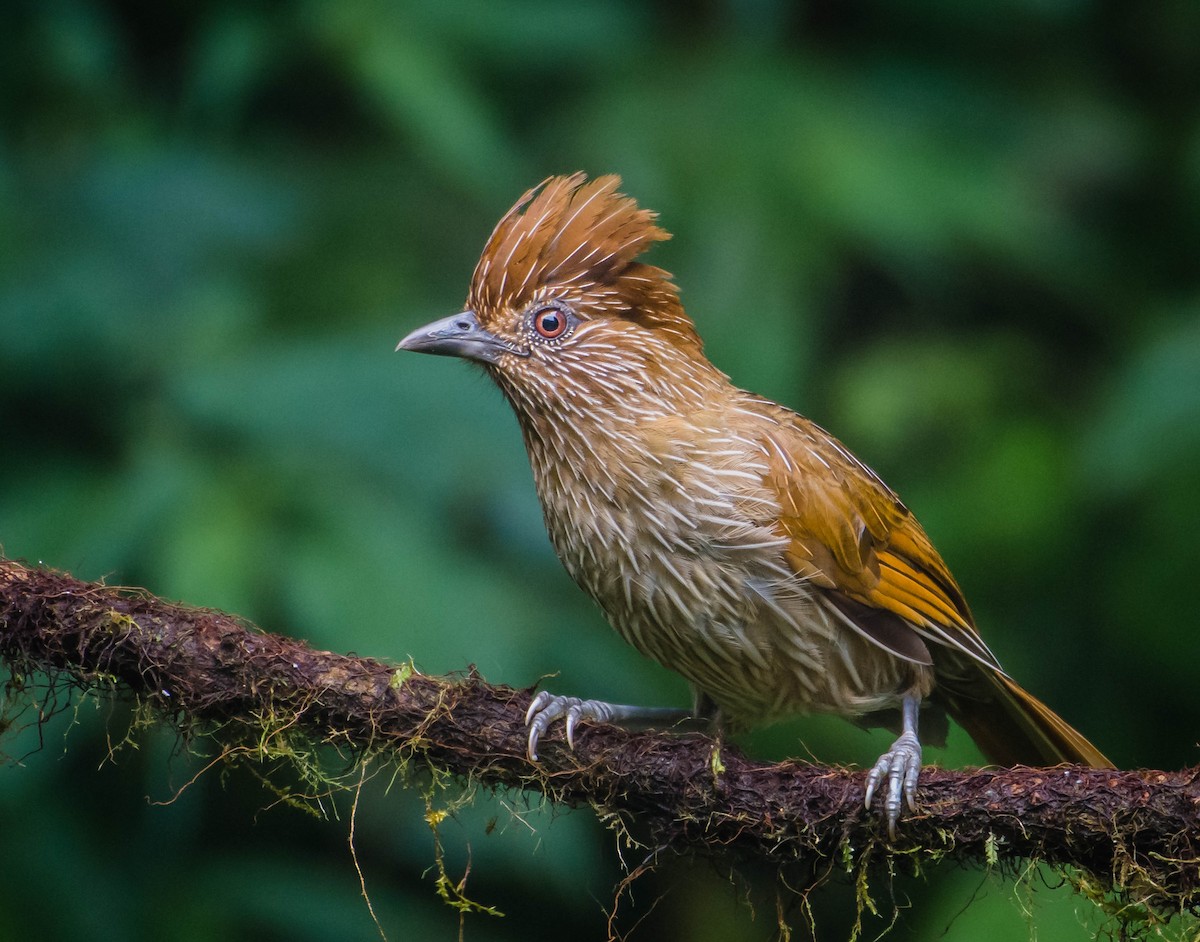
458, 336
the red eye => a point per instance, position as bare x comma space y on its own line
550, 322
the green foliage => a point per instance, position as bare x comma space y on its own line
960, 236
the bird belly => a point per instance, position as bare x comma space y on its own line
674, 536
741, 628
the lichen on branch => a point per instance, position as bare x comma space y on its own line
1130, 840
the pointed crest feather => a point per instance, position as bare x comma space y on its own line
574, 238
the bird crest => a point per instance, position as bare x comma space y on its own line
577, 240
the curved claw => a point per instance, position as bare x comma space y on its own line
901, 766
538, 720
548, 707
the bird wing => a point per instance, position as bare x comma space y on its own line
850, 534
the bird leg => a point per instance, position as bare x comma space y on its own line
900, 765
706, 712
548, 707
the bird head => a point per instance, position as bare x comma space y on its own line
560, 312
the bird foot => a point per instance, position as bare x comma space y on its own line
548, 707
900, 766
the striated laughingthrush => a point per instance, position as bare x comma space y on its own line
725, 536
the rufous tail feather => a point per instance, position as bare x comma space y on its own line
1016, 728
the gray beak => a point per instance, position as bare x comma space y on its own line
458, 336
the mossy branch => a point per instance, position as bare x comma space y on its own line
1132, 835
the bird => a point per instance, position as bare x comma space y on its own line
723, 535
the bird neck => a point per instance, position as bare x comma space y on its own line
605, 447
605, 417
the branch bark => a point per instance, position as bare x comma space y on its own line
1132, 834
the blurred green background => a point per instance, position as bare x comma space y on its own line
963, 237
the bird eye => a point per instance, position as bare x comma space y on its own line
550, 322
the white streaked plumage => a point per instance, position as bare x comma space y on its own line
671, 575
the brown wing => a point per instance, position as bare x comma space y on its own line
852, 536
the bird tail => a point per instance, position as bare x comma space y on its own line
1015, 728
